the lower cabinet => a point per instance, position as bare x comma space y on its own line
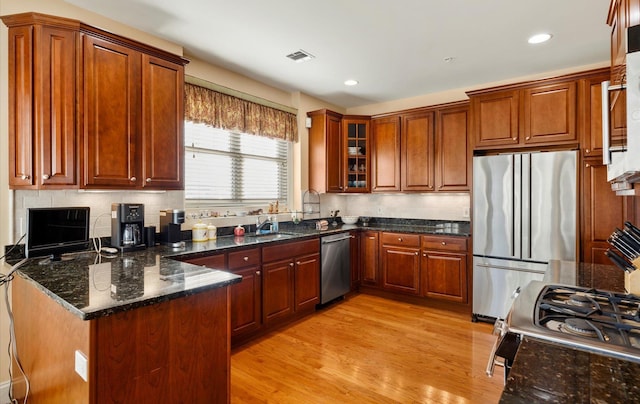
369, 274
291, 280
400, 261
246, 296
444, 268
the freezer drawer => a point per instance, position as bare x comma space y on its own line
497, 282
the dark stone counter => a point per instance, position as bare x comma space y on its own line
92, 285
545, 372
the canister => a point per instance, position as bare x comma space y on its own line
212, 232
199, 232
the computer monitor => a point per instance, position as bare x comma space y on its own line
55, 231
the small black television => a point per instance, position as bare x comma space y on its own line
56, 231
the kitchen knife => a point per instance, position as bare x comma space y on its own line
631, 241
628, 242
633, 229
620, 246
618, 261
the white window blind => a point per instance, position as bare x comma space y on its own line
226, 168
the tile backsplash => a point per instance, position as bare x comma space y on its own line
100, 204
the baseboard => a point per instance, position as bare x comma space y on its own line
4, 392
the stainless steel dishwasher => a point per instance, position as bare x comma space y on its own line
335, 273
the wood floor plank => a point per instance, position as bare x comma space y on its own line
368, 349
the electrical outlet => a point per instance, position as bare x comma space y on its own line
379, 210
82, 366
465, 212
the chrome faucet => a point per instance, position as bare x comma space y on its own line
260, 225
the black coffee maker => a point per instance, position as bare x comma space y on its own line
127, 226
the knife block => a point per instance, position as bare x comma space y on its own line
632, 279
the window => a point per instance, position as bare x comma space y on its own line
227, 168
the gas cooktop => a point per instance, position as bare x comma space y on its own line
595, 320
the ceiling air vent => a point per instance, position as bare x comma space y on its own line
300, 56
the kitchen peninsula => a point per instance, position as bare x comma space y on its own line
138, 327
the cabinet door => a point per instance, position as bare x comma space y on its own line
418, 152
495, 119
453, 152
369, 258
356, 154
218, 261
444, 276
549, 114
277, 285
385, 154
603, 211
354, 257
307, 282
401, 269
246, 301
42, 107
335, 152
162, 123
111, 129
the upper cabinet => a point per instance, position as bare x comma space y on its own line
422, 150
338, 152
537, 115
622, 14
132, 121
43, 65
91, 109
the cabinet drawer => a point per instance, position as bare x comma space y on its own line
401, 239
442, 243
244, 258
283, 251
217, 261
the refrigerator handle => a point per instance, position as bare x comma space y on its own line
517, 205
525, 214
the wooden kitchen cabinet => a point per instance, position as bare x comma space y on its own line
622, 15
246, 296
602, 211
541, 114
91, 109
291, 280
417, 156
444, 268
385, 154
356, 135
326, 152
400, 262
43, 65
453, 151
591, 114
133, 113
369, 250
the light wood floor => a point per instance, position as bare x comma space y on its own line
369, 350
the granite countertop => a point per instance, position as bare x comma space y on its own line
546, 372
93, 285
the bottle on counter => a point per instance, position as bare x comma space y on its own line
274, 224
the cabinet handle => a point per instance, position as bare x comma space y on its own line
417, 253
291, 264
25, 177
528, 137
245, 258
371, 238
515, 138
444, 243
400, 239
587, 165
132, 179
148, 180
45, 176
587, 151
257, 272
424, 254
297, 262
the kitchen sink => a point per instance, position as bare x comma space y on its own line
269, 237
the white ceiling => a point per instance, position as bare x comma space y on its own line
395, 49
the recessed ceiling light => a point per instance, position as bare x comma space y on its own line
539, 38
351, 82
448, 59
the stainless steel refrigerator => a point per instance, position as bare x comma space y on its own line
524, 214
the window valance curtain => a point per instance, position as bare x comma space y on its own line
219, 110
